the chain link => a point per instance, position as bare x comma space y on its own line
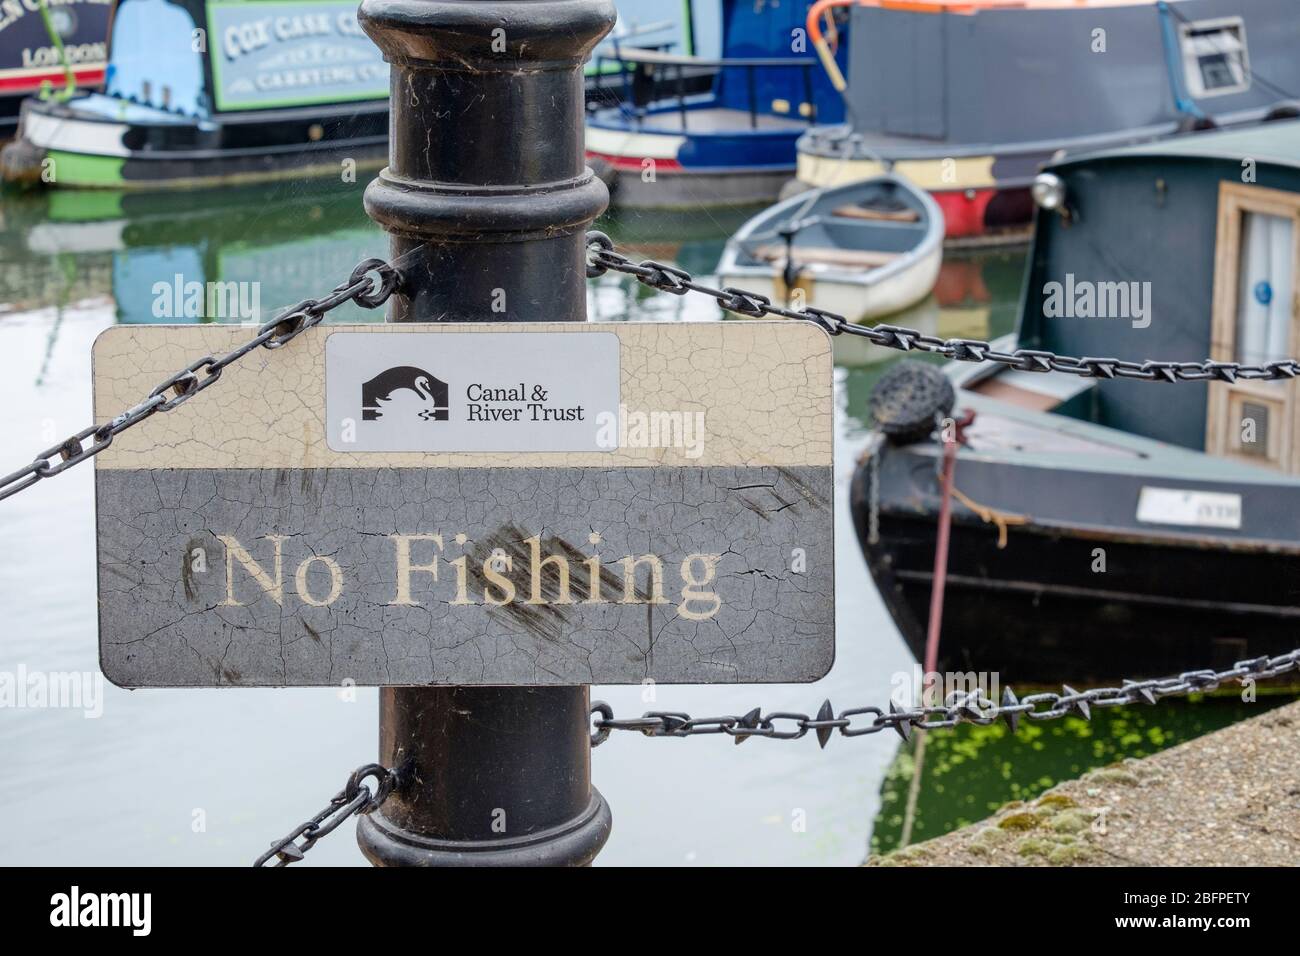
355, 797
959, 707
601, 258
179, 388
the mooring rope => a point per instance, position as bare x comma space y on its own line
990, 515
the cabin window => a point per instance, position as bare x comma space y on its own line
1264, 288
1214, 57
1255, 322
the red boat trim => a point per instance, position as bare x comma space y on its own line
633, 163
32, 82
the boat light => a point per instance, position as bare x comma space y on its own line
1049, 192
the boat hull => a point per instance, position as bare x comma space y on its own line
62, 147
977, 204
1041, 609
712, 158
674, 186
13, 94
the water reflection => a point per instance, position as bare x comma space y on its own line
293, 240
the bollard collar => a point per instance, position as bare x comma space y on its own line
472, 37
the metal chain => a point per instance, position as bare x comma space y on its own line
355, 797
200, 374
970, 708
601, 258
958, 708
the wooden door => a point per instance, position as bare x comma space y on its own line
1257, 259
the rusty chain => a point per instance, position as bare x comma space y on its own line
355, 798
601, 257
958, 708
203, 372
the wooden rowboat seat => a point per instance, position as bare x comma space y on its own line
807, 255
903, 214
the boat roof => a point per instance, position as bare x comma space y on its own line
975, 6
1040, 439
1276, 142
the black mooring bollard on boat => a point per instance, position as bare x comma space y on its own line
487, 199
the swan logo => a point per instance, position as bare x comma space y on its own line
402, 392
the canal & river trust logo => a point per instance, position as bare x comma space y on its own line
404, 392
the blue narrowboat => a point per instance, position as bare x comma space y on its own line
664, 147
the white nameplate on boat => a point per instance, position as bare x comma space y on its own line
1195, 509
472, 391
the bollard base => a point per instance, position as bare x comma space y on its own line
575, 843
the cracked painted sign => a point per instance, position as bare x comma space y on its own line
243, 542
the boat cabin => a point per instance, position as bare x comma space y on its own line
200, 93
929, 83
30, 57
198, 59
733, 143
1179, 250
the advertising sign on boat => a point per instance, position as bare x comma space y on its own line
28, 54
448, 503
292, 53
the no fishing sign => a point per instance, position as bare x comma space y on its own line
540, 503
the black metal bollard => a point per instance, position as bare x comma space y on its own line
486, 190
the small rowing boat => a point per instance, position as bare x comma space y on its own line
864, 250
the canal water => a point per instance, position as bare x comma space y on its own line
212, 776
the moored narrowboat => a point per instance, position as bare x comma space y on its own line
1103, 527
938, 89
227, 91
63, 45
199, 93
734, 144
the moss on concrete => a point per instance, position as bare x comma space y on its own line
1228, 797
1018, 821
